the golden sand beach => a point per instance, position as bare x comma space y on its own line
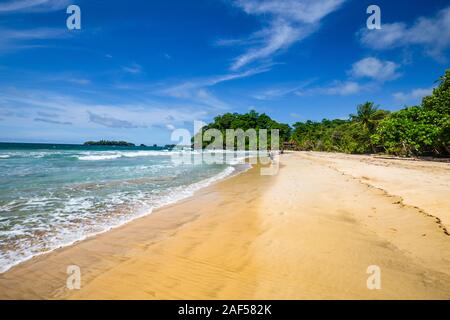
309, 232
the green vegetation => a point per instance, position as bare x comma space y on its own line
349, 136
413, 131
109, 143
251, 120
419, 130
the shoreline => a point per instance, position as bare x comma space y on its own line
308, 233
157, 221
230, 171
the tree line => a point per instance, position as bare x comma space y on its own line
109, 143
412, 131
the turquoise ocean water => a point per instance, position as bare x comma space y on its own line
54, 195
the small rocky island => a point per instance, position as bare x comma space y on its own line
109, 143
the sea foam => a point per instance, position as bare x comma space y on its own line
55, 210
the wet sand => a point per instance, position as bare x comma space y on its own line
309, 232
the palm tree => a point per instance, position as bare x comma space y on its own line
368, 115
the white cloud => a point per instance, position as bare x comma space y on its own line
335, 88
190, 92
280, 35
195, 90
32, 5
273, 93
280, 91
211, 81
134, 68
376, 69
23, 106
170, 127
109, 121
415, 95
304, 11
25, 38
431, 33
31, 34
343, 88
373, 69
289, 21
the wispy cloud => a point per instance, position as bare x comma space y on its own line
413, 96
280, 35
343, 88
185, 88
112, 122
335, 88
430, 33
375, 69
193, 92
133, 68
288, 21
66, 123
281, 91
196, 90
23, 106
32, 5
11, 39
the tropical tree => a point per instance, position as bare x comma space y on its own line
411, 131
422, 129
250, 120
368, 115
439, 100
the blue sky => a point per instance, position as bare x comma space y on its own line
138, 69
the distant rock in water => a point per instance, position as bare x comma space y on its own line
109, 143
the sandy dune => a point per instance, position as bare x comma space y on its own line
309, 232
